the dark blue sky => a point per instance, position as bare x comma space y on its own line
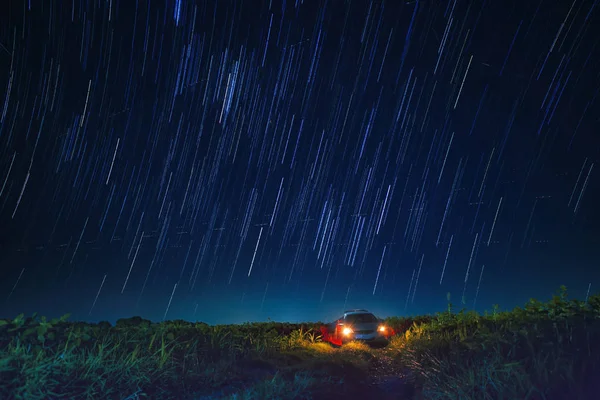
238, 161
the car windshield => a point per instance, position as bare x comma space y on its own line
361, 318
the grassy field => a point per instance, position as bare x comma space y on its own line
545, 350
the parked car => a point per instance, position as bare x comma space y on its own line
360, 325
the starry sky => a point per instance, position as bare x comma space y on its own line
231, 161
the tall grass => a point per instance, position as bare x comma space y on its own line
42, 359
545, 350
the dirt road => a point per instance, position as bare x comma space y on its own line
367, 375
384, 379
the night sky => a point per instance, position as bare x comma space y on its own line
244, 160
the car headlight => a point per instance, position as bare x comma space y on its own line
382, 328
347, 331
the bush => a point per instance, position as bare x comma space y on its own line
544, 350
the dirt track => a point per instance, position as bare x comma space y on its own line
371, 375
385, 379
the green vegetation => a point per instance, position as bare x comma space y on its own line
541, 351
42, 359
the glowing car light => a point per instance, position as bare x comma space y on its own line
382, 328
347, 331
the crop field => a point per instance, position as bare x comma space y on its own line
543, 350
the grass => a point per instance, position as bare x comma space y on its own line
42, 359
545, 350
541, 351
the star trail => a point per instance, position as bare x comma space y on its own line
231, 161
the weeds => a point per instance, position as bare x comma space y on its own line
41, 359
543, 350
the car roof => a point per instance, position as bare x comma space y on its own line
356, 311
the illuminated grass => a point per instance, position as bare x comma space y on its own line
41, 359
541, 351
